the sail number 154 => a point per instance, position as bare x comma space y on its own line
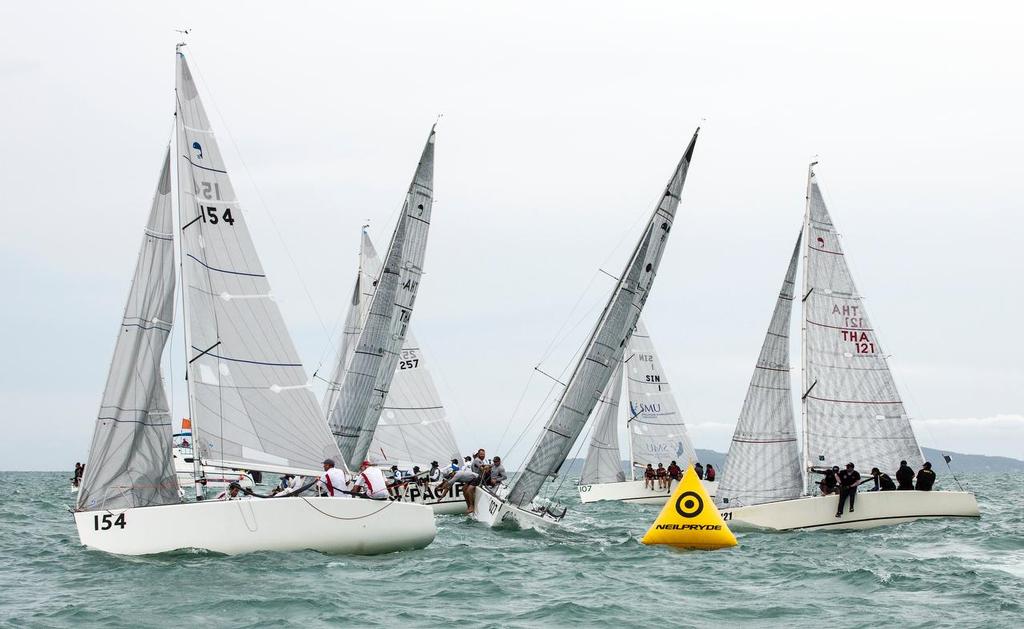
107, 522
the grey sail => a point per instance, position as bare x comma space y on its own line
130, 462
604, 460
354, 417
349, 338
852, 410
251, 402
605, 347
413, 428
763, 464
657, 432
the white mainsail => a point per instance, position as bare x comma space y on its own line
364, 389
852, 410
605, 347
763, 463
413, 427
130, 461
656, 430
251, 403
604, 460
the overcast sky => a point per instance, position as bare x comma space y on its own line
561, 123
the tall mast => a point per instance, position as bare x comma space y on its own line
803, 326
197, 464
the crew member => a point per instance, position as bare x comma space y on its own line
434, 473
828, 484
371, 482
334, 481
925, 478
469, 480
397, 483
479, 460
697, 467
497, 474
882, 481
674, 472
649, 476
709, 475
662, 476
231, 493
849, 478
905, 476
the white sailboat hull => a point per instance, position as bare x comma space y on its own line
453, 503
873, 509
329, 525
633, 491
495, 512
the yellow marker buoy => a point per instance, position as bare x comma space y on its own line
690, 520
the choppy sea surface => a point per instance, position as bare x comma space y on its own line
594, 573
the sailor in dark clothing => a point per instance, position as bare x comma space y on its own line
925, 478
882, 481
697, 467
848, 481
905, 476
828, 484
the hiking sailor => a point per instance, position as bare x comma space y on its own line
925, 478
231, 493
848, 481
905, 476
496, 475
882, 480
371, 482
334, 481
434, 473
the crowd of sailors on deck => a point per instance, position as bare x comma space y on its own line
845, 482
372, 482
665, 475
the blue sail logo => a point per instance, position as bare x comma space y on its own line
199, 150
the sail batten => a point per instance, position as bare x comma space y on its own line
605, 346
764, 444
249, 391
130, 463
853, 411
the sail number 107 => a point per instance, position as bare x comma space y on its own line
107, 522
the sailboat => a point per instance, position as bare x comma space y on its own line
656, 431
378, 333
599, 360
413, 428
251, 405
851, 409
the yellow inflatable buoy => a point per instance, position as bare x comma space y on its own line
690, 520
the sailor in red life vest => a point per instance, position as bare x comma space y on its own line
334, 480
371, 482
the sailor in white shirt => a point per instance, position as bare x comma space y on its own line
371, 482
334, 481
231, 493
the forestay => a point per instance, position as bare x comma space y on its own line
251, 402
355, 415
130, 462
656, 429
763, 463
413, 427
605, 347
604, 460
853, 412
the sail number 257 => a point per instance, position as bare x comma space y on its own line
107, 522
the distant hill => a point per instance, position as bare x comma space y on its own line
960, 462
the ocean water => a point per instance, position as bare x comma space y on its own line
595, 573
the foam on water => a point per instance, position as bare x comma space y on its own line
593, 573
